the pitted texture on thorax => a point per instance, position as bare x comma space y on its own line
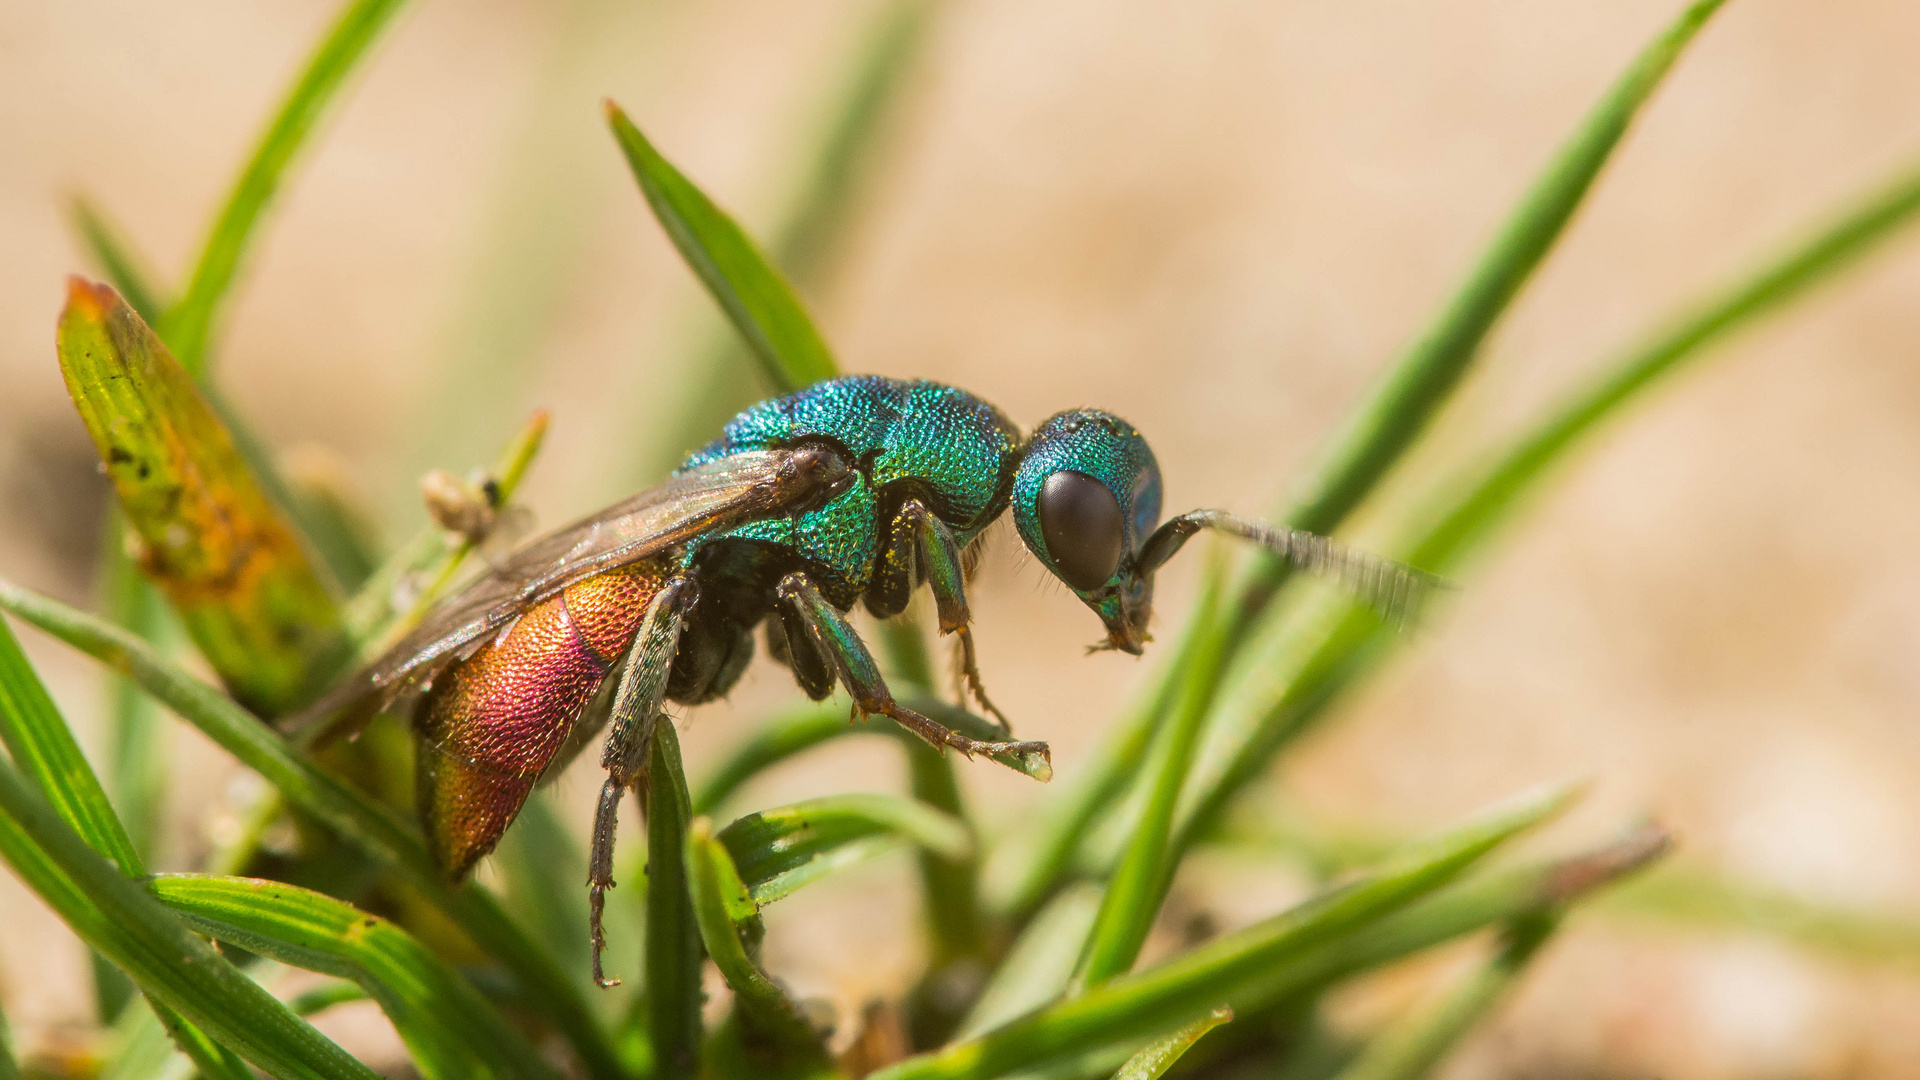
954, 449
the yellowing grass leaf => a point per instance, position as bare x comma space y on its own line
210, 537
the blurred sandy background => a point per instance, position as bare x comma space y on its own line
1218, 219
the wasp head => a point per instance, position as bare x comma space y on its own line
1086, 497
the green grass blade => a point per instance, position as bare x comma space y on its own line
541, 865
1157, 1057
816, 224
1022, 875
358, 821
214, 1061
1038, 967
1469, 520
785, 735
44, 750
43, 747
775, 849
1294, 668
958, 942
820, 212
1416, 387
326, 996
1689, 897
1187, 987
137, 767
754, 295
215, 543
452, 1030
1413, 1047
171, 964
1491, 899
126, 270
769, 1020
138, 1048
1139, 884
673, 932
189, 323
1380, 433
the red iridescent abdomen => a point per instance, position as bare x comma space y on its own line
493, 724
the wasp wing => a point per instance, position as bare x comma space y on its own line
722, 493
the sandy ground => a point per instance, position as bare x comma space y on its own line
1218, 219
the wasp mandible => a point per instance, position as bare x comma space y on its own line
855, 489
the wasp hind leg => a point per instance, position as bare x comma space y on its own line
835, 637
636, 710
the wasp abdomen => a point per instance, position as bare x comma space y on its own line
493, 724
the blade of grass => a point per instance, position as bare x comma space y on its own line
958, 938
1155, 1059
541, 866
1187, 987
785, 735
44, 750
189, 323
775, 851
317, 521
170, 963
754, 295
358, 821
326, 996
136, 769
1408, 397
1690, 897
1037, 968
213, 540
43, 747
450, 1028
1496, 898
1286, 678
673, 932
129, 272
1383, 429
814, 226
1414, 1046
1021, 876
1466, 523
772, 1026
1139, 884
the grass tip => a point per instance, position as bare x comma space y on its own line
89, 299
1645, 845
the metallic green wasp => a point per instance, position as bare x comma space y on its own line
858, 489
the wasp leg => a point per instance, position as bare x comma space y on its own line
636, 709
835, 637
944, 566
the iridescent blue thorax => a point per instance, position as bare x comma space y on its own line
953, 450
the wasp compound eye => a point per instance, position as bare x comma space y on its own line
1081, 523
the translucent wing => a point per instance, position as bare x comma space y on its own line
722, 493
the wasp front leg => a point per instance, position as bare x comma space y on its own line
636, 710
835, 638
919, 540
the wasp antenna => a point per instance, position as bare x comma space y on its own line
1394, 589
